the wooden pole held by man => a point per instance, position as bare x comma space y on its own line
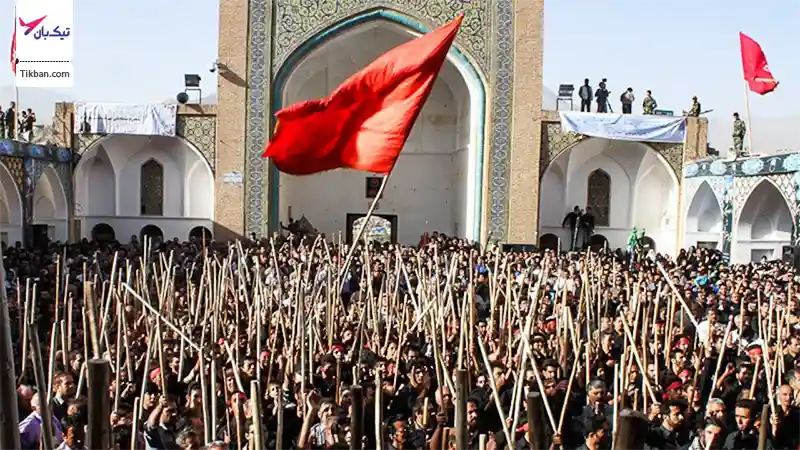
98, 434
631, 430
536, 438
9, 420
462, 437
356, 418
41, 386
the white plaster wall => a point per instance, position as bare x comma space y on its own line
125, 227
656, 205
428, 189
643, 192
703, 218
764, 225
50, 205
108, 181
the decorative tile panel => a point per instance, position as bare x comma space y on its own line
16, 167
259, 76
745, 167
502, 101
297, 21
673, 153
200, 131
783, 182
555, 141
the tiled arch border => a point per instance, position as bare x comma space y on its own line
259, 71
461, 61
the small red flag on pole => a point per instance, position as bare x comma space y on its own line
365, 122
754, 64
14, 45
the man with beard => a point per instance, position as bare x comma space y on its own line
572, 220
596, 405
474, 429
672, 433
785, 421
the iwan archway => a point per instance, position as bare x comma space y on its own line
438, 182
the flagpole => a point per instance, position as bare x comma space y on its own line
357, 237
749, 123
16, 86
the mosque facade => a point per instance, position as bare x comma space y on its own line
484, 160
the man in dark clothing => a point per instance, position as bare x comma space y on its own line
11, 121
601, 96
572, 219
585, 94
746, 437
672, 434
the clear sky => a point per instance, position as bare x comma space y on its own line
138, 50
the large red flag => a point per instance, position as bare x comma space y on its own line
14, 47
365, 122
756, 70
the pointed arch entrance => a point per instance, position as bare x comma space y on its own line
442, 163
704, 218
764, 225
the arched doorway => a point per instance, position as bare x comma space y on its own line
381, 228
549, 241
50, 205
152, 232
626, 184
764, 226
10, 208
598, 242
103, 232
444, 154
200, 233
704, 218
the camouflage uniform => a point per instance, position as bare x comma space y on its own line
695, 111
739, 132
649, 106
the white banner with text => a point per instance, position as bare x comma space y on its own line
115, 118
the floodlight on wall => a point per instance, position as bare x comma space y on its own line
191, 83
192, 80
565, 92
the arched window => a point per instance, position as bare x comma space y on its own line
152, 189
598, 196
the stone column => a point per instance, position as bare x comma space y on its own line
526, 132
229, 202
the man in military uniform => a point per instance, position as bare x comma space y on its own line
739, 132
695, 110
649, 104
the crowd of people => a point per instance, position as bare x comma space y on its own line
275, 343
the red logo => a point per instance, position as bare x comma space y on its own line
30, 26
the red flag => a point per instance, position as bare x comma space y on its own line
756, 70
14, 47
365, 122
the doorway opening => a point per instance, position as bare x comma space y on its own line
381, 228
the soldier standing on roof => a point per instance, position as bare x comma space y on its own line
739, 132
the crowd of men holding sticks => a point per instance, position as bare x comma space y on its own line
296, 343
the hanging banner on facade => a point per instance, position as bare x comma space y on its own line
626, 127
116, 118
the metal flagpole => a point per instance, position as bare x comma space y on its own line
749, 130
16, 86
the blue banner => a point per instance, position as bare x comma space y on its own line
626, 127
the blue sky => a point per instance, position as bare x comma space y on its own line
138, 50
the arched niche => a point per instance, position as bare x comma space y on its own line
151, 188
704, 215
643, 190
103, 232
11, 209
598, 242
764, 225
107, 177
445, 152
152, 232
549, 241
201, 233
49, 200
